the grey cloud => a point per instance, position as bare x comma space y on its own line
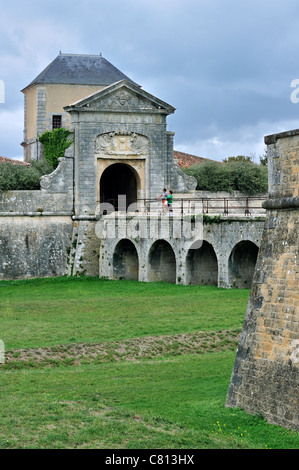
222, 65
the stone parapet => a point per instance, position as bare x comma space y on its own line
283, 161
34, 202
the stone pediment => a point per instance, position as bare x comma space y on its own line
122, 96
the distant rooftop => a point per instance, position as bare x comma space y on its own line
185, 159
79, 69
13, 162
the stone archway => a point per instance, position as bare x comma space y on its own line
118, 179
125, 261
162, 262
121, 160
202, 266
241, 264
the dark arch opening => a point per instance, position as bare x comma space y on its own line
125, 261
202, 266
118, 179
162, 263
241, 264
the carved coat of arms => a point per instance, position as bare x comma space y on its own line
121, 143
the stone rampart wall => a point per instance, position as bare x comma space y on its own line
36, 227
265, 378
34, 246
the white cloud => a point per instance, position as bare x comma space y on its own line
29, 42
214, 61
11, 136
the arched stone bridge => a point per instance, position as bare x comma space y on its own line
220, 252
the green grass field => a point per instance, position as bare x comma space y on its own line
92, 363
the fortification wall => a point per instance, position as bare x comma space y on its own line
43, 245
34, 246
265, 378
36, 227
35, 203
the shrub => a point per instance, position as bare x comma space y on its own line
211, 176
249, 178
243, 176
8, 177
55, 144
17, 177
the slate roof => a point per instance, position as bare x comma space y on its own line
79, 69
185, 159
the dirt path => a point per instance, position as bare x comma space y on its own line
130, 350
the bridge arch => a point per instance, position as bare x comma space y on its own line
125, 260
202, 265
241, 264
161, 262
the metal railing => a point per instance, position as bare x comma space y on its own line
183, 206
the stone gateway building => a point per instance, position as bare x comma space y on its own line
122, 147
121, 158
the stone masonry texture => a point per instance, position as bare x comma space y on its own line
265, 377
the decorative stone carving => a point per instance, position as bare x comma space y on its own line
121, 144
123, 100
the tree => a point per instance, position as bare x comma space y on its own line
264, 158
55, 144
20, 178
239, 158
237, 174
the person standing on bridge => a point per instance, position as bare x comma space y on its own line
164, 200
169, 202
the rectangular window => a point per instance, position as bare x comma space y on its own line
56, 121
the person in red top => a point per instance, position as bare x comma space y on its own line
164, 196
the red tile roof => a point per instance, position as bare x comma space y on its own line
13, 162
185, 159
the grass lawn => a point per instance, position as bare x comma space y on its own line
155, 365
47, 312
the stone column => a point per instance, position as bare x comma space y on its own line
265, 377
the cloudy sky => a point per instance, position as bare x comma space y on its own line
226, 66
